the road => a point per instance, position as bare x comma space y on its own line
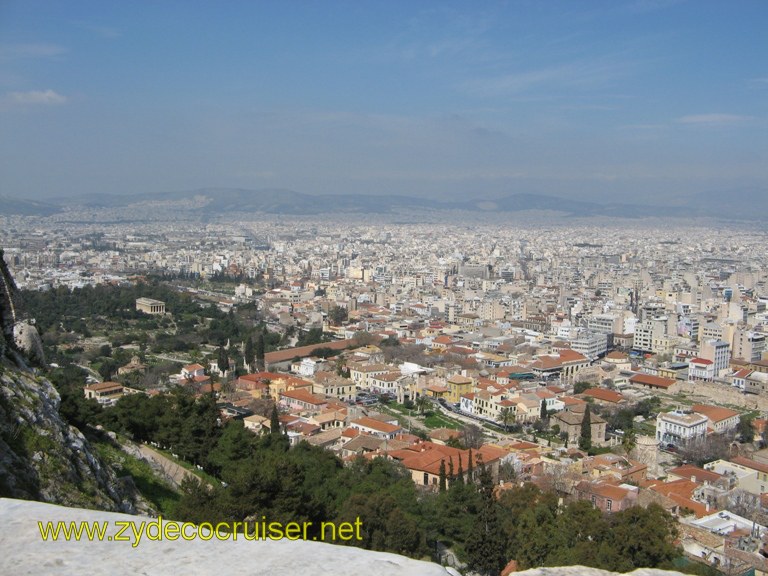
172, 470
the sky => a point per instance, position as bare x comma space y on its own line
632, 100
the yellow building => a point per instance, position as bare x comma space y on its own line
457, 386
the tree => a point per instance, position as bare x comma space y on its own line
543, 415
580, 387
746, 430
442, 475
585, 439
250, 351
338, 315
421, 403
274, 421
259, 354
486, 544
629, 441
473, 436
223, 360
505, 415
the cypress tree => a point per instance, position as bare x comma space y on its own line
223, 360
585, 440
486, 544
274, 421
442, 484
470, 468
260, 351
250, 352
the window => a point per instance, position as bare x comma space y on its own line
608, 505
426, 479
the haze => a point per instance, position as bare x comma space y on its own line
642, 100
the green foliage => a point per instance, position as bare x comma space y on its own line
580, 387
486, 543
338, 315
585, 439
313, 336
745, 429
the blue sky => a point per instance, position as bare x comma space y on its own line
633, 100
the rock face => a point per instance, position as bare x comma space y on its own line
19, 339
41, 456
44, 458
22, 551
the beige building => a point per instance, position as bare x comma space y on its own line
150, 306
570, 423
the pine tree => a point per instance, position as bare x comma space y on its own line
451, 476
460, 475
543, 413
585, 440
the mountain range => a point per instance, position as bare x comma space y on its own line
745, 204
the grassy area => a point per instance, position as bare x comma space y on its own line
437, 420
154, 489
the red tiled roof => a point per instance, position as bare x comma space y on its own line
649, 380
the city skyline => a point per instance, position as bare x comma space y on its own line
649, 101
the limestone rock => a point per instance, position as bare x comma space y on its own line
22, 551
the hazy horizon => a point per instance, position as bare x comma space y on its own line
636, 100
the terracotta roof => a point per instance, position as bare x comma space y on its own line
649, 380
690, 471
303, 396
303, 351
751, 464
714, 413
103, 386
604, 395
375, 425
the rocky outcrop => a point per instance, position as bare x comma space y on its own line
23, 551
44, 458
19, 339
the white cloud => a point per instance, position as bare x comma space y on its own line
35, 97
713, 119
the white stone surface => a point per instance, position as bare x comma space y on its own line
22, 551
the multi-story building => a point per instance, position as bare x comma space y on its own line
680, 427
719, 352
748, 345
652, 335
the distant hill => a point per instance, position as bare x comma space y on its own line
743, 204
16, 206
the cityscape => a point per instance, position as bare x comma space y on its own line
396, 288
386, 340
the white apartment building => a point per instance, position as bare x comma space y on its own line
719, 352
591, 344
652, 335
680, 427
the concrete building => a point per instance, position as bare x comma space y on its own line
680, 427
